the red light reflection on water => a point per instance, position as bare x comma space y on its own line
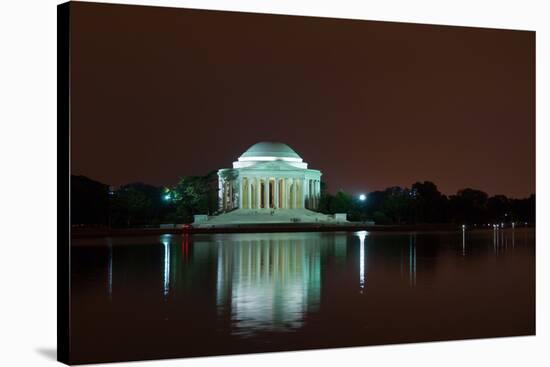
185, 246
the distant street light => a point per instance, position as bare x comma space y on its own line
166, 197
362, 197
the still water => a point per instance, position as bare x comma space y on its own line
206, 294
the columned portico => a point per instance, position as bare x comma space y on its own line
269, 176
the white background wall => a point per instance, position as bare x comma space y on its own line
28, 182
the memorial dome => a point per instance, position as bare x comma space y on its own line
266, 150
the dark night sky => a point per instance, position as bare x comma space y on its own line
159, 93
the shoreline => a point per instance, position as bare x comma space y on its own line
273, 228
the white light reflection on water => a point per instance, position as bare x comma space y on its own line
362, 235
495, 245
110, 268
463, 241
412, 259
166, 278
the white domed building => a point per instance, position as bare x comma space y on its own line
269, 176
269, 182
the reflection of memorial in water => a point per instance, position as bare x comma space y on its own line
268, 281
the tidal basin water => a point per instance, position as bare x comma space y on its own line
207, 294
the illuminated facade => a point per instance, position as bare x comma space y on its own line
269, 176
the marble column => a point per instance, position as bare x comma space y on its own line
318, 193
258, 192
294, 191
276, 196
266, 193
226, 195
306, 198
231, 195
302, 193
287, 193
288, 183
241, 192
249, 192
283, 193
313, 195
298, 193
310, 194
220, 194
298, 188
306, 193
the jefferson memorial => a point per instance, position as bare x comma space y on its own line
269, 176
269, 183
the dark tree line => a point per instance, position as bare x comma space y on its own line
423, 203
138, 204
89, 201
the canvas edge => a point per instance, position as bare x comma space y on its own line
63, 182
